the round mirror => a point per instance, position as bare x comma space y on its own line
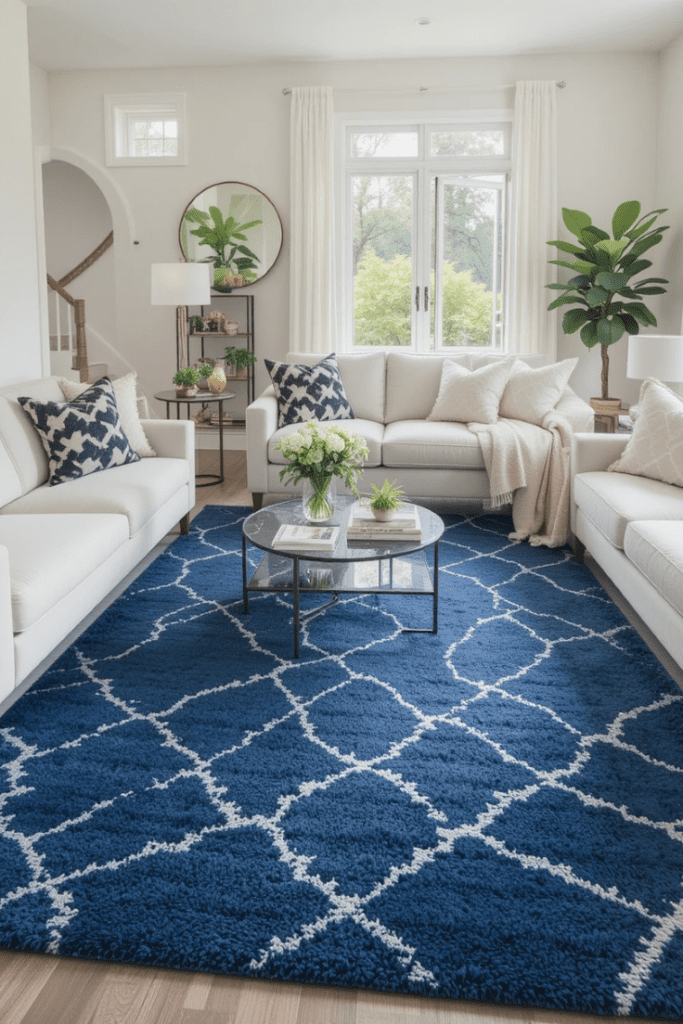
236, 228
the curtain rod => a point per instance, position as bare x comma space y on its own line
434, 88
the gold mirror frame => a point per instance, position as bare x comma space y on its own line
235, 227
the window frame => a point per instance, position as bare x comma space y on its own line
423, 167
120, 109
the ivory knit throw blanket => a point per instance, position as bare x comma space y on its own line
528, 465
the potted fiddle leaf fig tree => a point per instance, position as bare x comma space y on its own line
606, 302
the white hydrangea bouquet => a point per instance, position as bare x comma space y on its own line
316, 454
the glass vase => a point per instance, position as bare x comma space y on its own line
319, 498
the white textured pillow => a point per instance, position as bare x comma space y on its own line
530, 394
655, 448
127, 404
470, 396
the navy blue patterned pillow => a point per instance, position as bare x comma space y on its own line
309, 392
81, 436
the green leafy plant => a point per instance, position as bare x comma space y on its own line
227, 238
388, 497
205, 370
239, 357
196, 323
186, 377
608, 305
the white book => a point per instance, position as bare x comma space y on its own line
362, 518
382, 538
314, 538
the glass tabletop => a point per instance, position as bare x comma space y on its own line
260, 528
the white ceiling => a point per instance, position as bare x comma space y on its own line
95, 34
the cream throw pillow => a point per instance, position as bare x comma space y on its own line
127, 405
470, 396
655, 448
531, 393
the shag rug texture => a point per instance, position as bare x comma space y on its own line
491, 813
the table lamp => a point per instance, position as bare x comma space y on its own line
655, 355
181, 285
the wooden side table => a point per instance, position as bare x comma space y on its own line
204, 398
610, 420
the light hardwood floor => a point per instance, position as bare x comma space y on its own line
42, 989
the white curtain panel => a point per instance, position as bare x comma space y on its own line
312, 309
534, 220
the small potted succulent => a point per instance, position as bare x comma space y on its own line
185, 381
204, 371
386, 501
238, 359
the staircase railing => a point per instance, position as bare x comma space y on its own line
71, 312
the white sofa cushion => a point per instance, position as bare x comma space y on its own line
136, 491
371, 431
656, 548
413, 383
49, 556
470, 396
437, 445
611, 501
532, 393
363, 376
20, 438
655, 449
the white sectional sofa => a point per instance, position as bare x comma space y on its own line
391, 394
63, 548
633, 528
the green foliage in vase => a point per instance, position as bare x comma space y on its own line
387, 497
205, 370
607, 303
227, 238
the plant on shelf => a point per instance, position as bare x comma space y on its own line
234, 263
608, 306
316, 453
185, 381
239, 358
196, 324
386, 500
204, 371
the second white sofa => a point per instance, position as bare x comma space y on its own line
392, 394
63, 548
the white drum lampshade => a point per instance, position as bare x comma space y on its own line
655, 355
181, 285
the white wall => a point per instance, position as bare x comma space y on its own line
239, 130
669, 186
23, 347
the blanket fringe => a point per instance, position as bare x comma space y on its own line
496, 500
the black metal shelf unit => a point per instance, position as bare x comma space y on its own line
214, 343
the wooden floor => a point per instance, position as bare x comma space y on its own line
42, 989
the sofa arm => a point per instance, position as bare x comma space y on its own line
593, 453
6, 628
173, 439
261, 420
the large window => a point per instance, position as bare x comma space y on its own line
423, 233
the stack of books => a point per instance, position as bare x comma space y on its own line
404, 526
306, 538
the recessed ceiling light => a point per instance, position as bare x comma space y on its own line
423, 21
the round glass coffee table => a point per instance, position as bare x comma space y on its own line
352, 567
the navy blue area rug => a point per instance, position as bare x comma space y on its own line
491, 813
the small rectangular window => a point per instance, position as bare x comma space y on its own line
145, 130
391, 143
465, 142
